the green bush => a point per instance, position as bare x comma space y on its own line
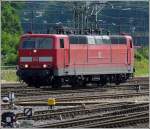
11, 30
142, 62
9, 48
138, 56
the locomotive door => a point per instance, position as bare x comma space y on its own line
129, 47
64, 46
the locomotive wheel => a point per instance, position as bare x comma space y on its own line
37, 85
77, 83
29, 83
118, 80
74, 85
103, 81
74, 82
56, 83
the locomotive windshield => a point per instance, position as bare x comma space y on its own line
38, 43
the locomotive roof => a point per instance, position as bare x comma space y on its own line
62, 35
102, 35
55, 35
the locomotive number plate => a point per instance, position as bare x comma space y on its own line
35, 59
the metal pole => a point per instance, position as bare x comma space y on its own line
96, 17
32, 21
119, 22
82, 22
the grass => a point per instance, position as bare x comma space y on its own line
9, 75
142, 67
142, 61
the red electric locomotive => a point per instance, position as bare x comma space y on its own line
57, 59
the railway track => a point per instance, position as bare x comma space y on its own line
73, 112
37, 92
72, 100
93, 106
123, 121
24, 91
74, 108
139, 80
85, 97
137, 110
16, 85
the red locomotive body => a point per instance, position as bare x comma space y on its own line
56, 59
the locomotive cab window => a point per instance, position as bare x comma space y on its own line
38, 43
61, 43
44, 43
28, 44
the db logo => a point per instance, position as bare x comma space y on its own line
100, 55
35, 59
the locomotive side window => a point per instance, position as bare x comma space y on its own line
122, 40
98, 40
106, 39
118, 40
114, 40
82, 40
61, 43
130, 43
73, 40
77, 39
91, 40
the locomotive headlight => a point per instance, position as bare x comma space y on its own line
44, 65
34, 50
26, 65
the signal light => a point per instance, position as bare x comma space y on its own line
44, 65
26, 65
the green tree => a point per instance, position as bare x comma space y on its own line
11, 30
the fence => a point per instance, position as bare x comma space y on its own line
8, 74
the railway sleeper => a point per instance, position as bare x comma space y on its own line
89, 111
108, 114
92, 123
81, 121
123, 123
